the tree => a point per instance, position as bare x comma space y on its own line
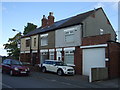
30, 27
12, 45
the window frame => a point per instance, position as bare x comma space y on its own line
35, 42
27, 42
44, 39
68, 34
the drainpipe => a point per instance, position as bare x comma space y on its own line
108, 50
82, 33
38, 47
82, 30
31, 49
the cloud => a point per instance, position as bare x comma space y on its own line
2, 50
1, 46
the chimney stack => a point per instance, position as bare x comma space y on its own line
50, 19
44, 21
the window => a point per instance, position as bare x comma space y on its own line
34, 42
28, 43
69, 57
44, 39
51, 55
69, 36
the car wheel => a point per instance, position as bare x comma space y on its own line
60, 72
44, 69
11, 73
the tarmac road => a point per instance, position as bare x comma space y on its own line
50, 80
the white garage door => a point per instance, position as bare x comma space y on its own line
94, 57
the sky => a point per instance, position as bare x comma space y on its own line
16, 15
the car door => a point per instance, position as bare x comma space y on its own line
47, 65
7, 66
4, 65
53, 67
50, 64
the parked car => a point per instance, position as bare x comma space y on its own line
58, 67
14, 67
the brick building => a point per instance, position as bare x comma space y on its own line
84, 41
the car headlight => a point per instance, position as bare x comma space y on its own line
64, 68
16, 68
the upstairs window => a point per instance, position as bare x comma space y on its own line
44, 39
28, 43
69, 36
34, 42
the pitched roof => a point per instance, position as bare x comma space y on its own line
75, 20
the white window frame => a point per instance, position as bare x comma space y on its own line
69, 33
43, 37
71, 52
51, 54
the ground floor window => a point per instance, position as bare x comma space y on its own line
69, 57
51, 55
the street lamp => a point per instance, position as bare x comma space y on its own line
16, 30
18, 40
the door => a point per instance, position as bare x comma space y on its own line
94, 57
34, 58
59, 55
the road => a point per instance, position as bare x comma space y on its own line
46, 80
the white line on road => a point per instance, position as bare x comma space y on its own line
62, 82
5, 85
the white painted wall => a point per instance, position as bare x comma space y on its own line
93, 58
60, 37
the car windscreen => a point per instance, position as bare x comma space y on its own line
14, 62
60, 63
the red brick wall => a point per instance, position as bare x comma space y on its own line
25, 57
114, 62
112, 52
22, 58
78, 60
93, 40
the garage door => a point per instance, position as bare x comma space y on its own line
94, 57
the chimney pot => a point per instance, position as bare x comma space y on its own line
50, 13
44, 16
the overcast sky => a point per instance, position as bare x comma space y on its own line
17, 14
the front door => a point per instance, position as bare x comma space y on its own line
59, 55
34, 57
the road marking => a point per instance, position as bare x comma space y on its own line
62, 82
5, 85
